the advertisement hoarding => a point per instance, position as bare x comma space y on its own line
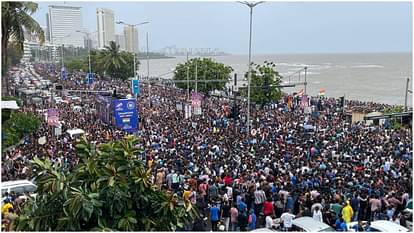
126, 114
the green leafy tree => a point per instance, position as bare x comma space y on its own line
14, 52
76, 64
207, 69
127, 68
109, 190
15, 19
265, 83
5, 113
17, 126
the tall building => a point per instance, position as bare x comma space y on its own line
120, 40
106, 27
131, 39
47, 31
63, 22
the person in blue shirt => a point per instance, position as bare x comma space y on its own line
241, 205
252, 220
289, 203
214, 216
338, 222
342, 225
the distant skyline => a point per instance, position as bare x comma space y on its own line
278, 27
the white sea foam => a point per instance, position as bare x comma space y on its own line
367, 66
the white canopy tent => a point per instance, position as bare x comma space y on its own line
10, 104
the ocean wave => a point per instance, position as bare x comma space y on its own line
368, 66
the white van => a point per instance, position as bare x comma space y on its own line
17, 186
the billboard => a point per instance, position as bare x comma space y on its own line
196, 99
52, 117
126, 114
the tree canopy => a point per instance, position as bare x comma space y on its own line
110, 189
16, 126
15, 19
207, 69
110, 61
264, 83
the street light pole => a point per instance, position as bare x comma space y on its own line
148, 71
406, 95
133, 27
251, 6
196, 77
188, 78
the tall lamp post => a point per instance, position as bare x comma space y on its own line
133, 26
251, 5
88, 34
61, 47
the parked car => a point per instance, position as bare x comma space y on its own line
308, 224
380, 226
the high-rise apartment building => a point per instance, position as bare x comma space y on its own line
120, 40
131, 39
106, 27
62, 23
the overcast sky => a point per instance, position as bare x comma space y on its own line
278, 27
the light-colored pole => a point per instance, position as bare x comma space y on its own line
406, 95
61, 49
249, 74
188, 82
188, 78
251, 6
306, 83
148, 72
135, 72
196, 77
89, 53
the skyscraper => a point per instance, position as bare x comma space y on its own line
62, 23
106, 27
131, 39
120, 40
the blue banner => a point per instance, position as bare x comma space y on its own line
135, 86
90, 78
63, 73
126, 114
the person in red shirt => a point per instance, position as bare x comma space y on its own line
268, 207
228, 180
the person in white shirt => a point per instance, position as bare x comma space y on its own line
286, 219
269, 222
317, 214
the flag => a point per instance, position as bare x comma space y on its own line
322, 92
135, 86
300, 93
196, 99
63, 73
304, 102
90, 78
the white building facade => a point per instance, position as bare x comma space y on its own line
63, 24
106, 27
131, 39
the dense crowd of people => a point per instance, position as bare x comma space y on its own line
335, 172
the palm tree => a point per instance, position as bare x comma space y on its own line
111, 59
15, 19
